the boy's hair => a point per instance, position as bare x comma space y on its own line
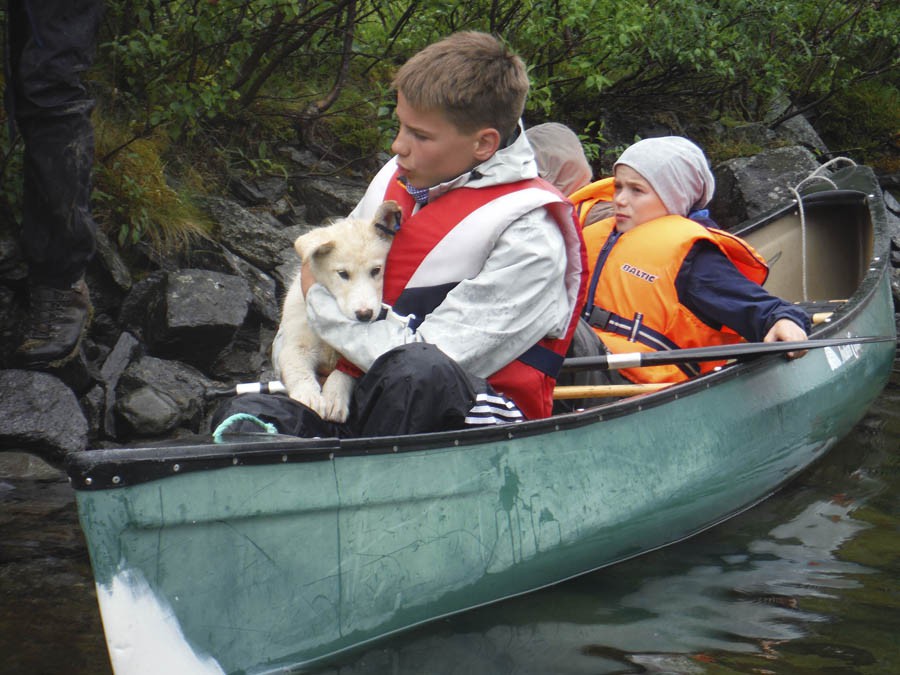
472, 78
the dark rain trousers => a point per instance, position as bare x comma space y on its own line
412, 389
585, 342
50, 45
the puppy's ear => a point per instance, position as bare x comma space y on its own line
314, 244
387, 219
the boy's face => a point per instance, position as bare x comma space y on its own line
431, 150
635, 201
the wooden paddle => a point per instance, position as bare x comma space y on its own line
607, 390
742, 350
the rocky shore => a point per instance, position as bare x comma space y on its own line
171, 330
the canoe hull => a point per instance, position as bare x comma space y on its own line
281, 554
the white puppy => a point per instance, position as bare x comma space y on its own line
346, 257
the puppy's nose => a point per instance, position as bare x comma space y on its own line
364, 314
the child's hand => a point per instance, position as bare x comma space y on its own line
307, 278
785, 330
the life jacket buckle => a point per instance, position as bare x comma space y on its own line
599, 318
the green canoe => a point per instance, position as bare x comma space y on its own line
267, 553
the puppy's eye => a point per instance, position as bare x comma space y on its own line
375, 272
344, 274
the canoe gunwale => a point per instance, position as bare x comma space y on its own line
113, 468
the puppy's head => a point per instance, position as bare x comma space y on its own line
347, 257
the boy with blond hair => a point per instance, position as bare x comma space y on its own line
486, 271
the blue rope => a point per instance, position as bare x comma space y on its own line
241, 417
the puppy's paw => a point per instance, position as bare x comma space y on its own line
310, 395
336, 394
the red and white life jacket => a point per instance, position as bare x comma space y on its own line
449, 240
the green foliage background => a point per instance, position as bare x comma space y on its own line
190, 91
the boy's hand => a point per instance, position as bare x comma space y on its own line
785, 330
307, 278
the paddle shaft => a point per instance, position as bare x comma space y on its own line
628, 360
742, 350
272, 387
562, 392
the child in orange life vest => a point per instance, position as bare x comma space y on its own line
486, 271
660, 280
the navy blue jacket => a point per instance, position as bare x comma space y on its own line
710, 285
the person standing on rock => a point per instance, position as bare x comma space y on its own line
50, 45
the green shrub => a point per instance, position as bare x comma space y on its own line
133, 200
224, 81
874, 133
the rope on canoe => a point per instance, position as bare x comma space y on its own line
795, 191
241, 417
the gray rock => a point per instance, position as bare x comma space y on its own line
246, 190
112, 262
287, 271
890, 181
217, 258
798, 130
246, 356
78, 374
22, 465
126, 350
147, 412
327, 198
11, 316
40, 414
272, 188
198, 315
263, 289
307, 161
93, 404
891, 203
12, 266
154, 396
141, 302
247, 235
892, 210
747, 187
294, 231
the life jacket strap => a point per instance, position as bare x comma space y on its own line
636, 331
543, 359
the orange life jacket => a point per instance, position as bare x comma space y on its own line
585, 198
633, 304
